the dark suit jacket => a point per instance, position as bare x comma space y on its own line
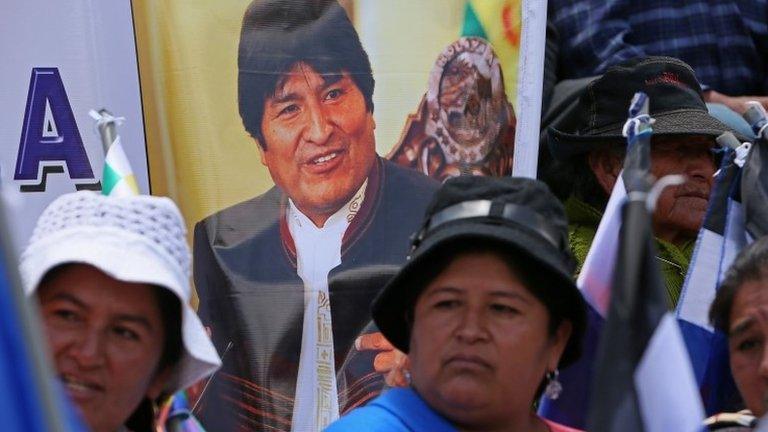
253, 300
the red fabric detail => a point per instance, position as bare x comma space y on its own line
557, 427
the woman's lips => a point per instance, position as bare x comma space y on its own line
468, 361
80, 389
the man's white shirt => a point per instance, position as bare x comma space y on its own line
318, 251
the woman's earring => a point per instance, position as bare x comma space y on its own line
554, 387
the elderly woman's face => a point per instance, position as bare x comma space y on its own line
106, 337
480, 344
747, 340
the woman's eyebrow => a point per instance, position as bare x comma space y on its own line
741, 326
68, 298
449, 289
137, 319
509, 294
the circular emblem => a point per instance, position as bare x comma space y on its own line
465, 100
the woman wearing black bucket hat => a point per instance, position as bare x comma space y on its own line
486, 309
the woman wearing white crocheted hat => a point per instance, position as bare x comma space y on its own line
112, 278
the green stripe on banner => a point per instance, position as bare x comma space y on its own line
472, 25
111, 177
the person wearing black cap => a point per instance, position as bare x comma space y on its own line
589, 150
486, 309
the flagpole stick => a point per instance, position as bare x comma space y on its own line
757, 119
32, 335
107, 129
637, 163
530, 79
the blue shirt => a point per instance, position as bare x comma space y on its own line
398, 409
725, 41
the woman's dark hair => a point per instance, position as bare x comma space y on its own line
537, 280
143, 418
170, 314
278, 34
750, 265
170, 308
539, 283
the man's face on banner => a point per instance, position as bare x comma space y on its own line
319, 140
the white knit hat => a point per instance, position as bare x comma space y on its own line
138, 239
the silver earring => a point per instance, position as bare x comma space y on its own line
554, 387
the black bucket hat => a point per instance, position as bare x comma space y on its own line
676, 103
516, 213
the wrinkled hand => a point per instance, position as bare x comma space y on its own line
736, 103
389, 361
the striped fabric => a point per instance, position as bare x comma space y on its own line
643, 345
716, 247
118, 177
725, 41
498, 22
643, 380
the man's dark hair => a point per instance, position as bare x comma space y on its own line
751, 265
278, 34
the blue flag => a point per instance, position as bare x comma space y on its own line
31, 400
721, 237
643, 380
597, 282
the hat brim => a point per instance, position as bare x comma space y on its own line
564, 146
399, 295
127, 258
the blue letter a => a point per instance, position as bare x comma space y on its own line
49, 132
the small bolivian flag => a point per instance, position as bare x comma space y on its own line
118, 179
498, 22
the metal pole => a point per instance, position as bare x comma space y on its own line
530, 79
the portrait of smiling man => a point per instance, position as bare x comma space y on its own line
266, 270
320, 132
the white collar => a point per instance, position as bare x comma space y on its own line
343, 216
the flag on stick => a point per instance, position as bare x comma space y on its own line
118, 178
643, 377
499, 22
179, 417
32, 400
754, 184
594, 281
712, 254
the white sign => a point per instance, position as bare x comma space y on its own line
530, 80
60, 60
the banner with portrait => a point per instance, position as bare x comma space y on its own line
303, 141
